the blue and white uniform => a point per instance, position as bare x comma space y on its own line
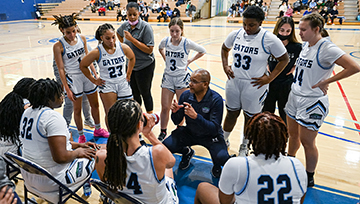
255, 180
250, 54
306, 105
36, 126
143, 183
112, 68
176, 75
72, 56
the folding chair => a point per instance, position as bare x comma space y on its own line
12, 170
60, 196
117, 197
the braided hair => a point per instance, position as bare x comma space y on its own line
43, 91
11, 110
123, 118
315, 20
102, 29
22, 87
65, 21
267, 133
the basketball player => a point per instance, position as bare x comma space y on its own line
141, 171
68, 53
115, 76
46, 141
266, 176
308, 103
175, 51
246, 88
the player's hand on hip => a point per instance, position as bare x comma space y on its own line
189, 111
229, 72
175, 106
260, 81
323, 86
99, 82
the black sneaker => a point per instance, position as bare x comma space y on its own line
185, 159
216, 171
162, 136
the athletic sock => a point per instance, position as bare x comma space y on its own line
81, 132
97, 126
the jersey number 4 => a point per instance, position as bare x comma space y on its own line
245, 58
133, 183
26, 128
267, 191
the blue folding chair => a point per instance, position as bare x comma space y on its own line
61, 196
116, 197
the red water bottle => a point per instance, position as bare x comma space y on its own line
154, 115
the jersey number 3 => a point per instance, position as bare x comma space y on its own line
133, 183
26, 129
267, 191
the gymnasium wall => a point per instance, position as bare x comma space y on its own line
20, 9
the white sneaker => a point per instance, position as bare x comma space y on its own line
243, 151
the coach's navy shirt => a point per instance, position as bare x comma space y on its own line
209, 114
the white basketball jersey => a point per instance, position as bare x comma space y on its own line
256, 180
249, 55
72, 55
313, 65
35, 127
176, 57
112, 67
141, 180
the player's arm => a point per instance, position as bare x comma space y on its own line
61, 155
86, 62
198, 48
121, 39
265, 79
350, 68
57, 51
131, 63
226, 199
92, 67
225, 61
162, 53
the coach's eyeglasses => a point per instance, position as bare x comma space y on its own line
196, 82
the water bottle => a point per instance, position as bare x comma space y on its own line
87, 189
154, 115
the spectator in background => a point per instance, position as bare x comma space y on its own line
163, 15
179, 2
192, 10
308, 11
312, 4
102, 11
169, 12
289, 12
117, 3
329, 4
282, 9
297, 6
264, 7
155, 7
118, 14
110, 5
145, 13
320, 4
325, 13
175, 13
304, 4
123, 14
334, 14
